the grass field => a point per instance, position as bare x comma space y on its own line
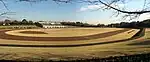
124, 35
63, 32
70, 53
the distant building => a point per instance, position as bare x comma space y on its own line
50, 24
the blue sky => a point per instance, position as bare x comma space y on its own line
50, 10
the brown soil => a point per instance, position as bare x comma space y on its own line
101, 35
32, 32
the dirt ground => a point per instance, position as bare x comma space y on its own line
33, 32
70, 53
95, 36
62, 32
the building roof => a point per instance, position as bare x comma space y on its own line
50, 23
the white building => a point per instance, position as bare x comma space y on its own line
50, 24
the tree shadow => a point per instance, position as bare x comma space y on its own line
146, 42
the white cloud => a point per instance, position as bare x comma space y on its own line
95, 7
144, 16
90, 7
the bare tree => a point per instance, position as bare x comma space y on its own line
106, 5
115, 6
8, 12
109, 3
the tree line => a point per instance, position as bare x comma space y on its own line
8, 22
15, 22
78, 24
134, 24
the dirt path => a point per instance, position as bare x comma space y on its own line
33, 32
101, 35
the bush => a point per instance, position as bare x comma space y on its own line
38, 24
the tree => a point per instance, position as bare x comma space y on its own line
7, 22
15, 22
1, 23
100, 25
105, 5
38, 24
30, 22
110, 5
24, 22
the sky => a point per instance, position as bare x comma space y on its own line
51, 11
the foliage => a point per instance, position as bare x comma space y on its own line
15, 22
38, 24
24, 21
134, 24
78, 24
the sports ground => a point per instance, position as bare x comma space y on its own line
70, 43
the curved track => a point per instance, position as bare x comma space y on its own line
75, 45
95, 36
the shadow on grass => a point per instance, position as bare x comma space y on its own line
142, 42
145, 57
146, 42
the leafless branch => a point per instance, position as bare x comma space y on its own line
4, 4
7, 13
107, 5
